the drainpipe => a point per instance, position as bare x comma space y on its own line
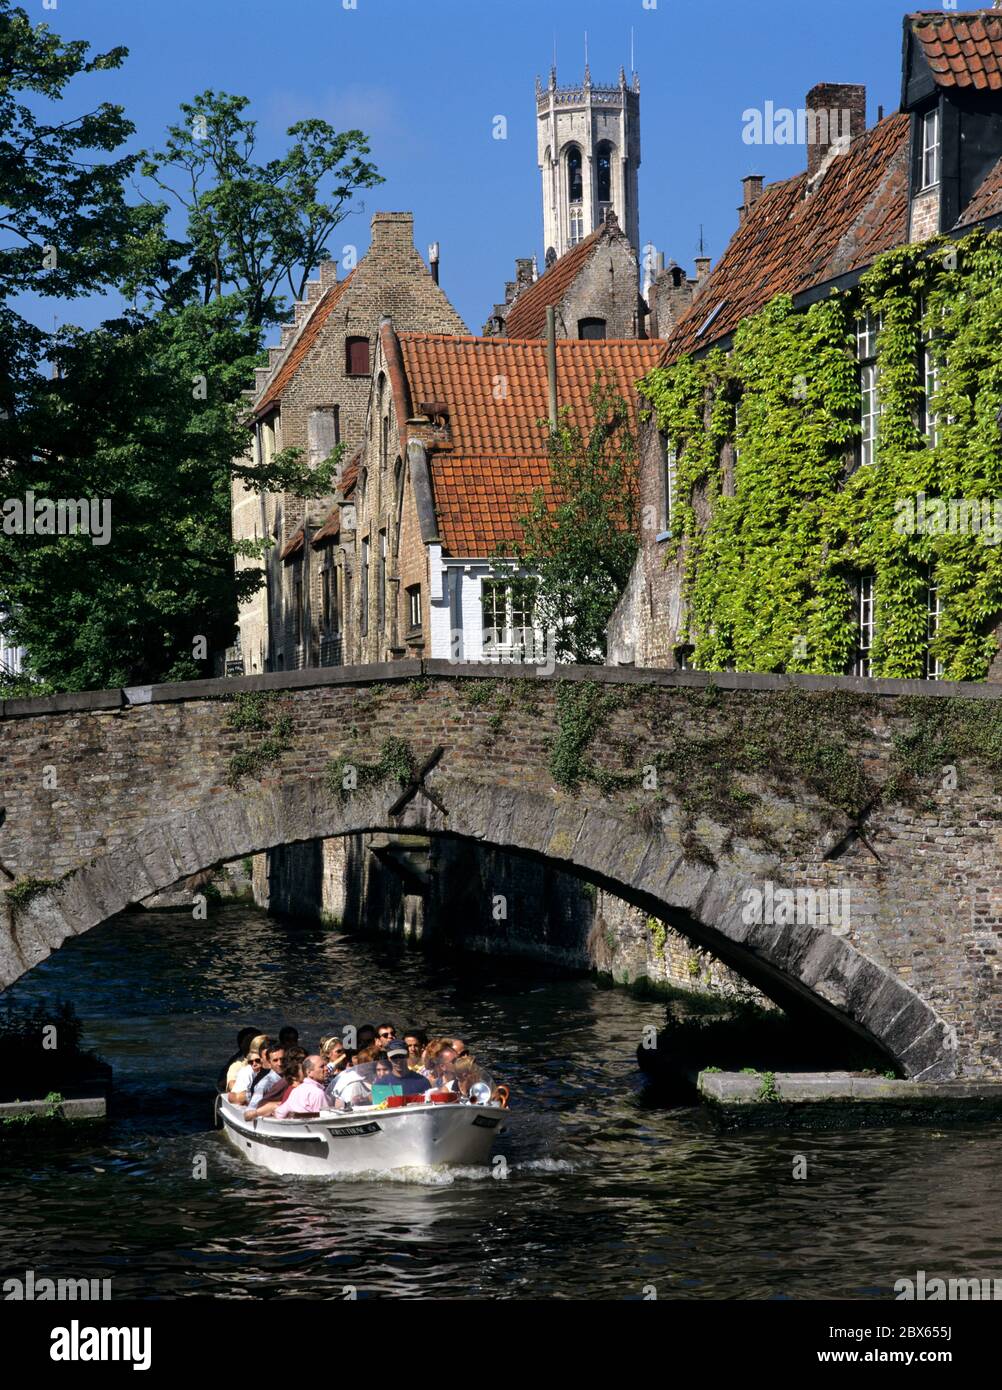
551, 363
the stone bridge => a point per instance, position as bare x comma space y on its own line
732, 807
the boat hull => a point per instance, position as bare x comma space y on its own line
366, 1140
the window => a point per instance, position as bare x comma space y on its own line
414, 608
575, 194
708, 321
381, 583
508, 619
931, 150
591, 328
356, 356
297, 602
929, 422
864, 626
683, 657
604, 177
363, 591
670, 484
328, 595
933, 666
867, 336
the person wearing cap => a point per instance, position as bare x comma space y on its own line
411, 1082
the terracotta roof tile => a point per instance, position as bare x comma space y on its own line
987, 201
962, 50
496, 391
790, 242
528, 314
302, 345
293, 545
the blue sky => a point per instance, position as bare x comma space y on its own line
425, 79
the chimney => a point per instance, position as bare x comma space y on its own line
328, 274
433, 260
834, 117
703, 264
751, 189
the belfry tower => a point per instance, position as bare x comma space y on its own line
588, 141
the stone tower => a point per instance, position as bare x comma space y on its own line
588, 142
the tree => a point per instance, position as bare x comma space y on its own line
65, 226
251, 226
579, 536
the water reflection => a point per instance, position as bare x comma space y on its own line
607, 1190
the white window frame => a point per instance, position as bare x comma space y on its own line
934, 612
670, 485
932, 151
513, 642
865, 598
867, 336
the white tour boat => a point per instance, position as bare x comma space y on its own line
368, 1138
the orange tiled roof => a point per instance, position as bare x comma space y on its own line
987, 201
528, 314
293, 545
302, 345
962, 50
790, 242
496, 391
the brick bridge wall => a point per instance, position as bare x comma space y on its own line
111, 796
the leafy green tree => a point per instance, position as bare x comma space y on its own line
252, 227
579, 536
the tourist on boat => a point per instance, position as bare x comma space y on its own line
269, 1079
385, 1033
365, 1037
309, 1097
244, 1040
244, 1080
354, 1085
412, 1082
439, 1056
290, 1076
416, 1042
335, 1055
459, 1048
289, 1036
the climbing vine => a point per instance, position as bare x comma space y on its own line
772, 518
254, 711
344, 775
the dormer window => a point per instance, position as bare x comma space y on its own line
931, 150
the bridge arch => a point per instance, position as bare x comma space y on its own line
597, 842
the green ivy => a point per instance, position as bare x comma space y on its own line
254, 711
769, 539
396, 760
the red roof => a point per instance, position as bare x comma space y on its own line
302, 345
496, 393
962, 50
332, 522
528, 314
987, 201
789, 241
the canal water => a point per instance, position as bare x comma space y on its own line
609, 1193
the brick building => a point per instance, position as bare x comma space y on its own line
932, 168
452, 444
592, 288
313, 395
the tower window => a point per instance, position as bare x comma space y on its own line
604, 175
591, 328
575, 185
356, 356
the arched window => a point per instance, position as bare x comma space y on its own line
591, 328
575, 186
604, 174
575, 196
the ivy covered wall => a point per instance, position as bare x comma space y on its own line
774, 519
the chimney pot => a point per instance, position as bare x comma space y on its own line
835, 116
433, 260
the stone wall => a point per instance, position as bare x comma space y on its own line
112, 796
